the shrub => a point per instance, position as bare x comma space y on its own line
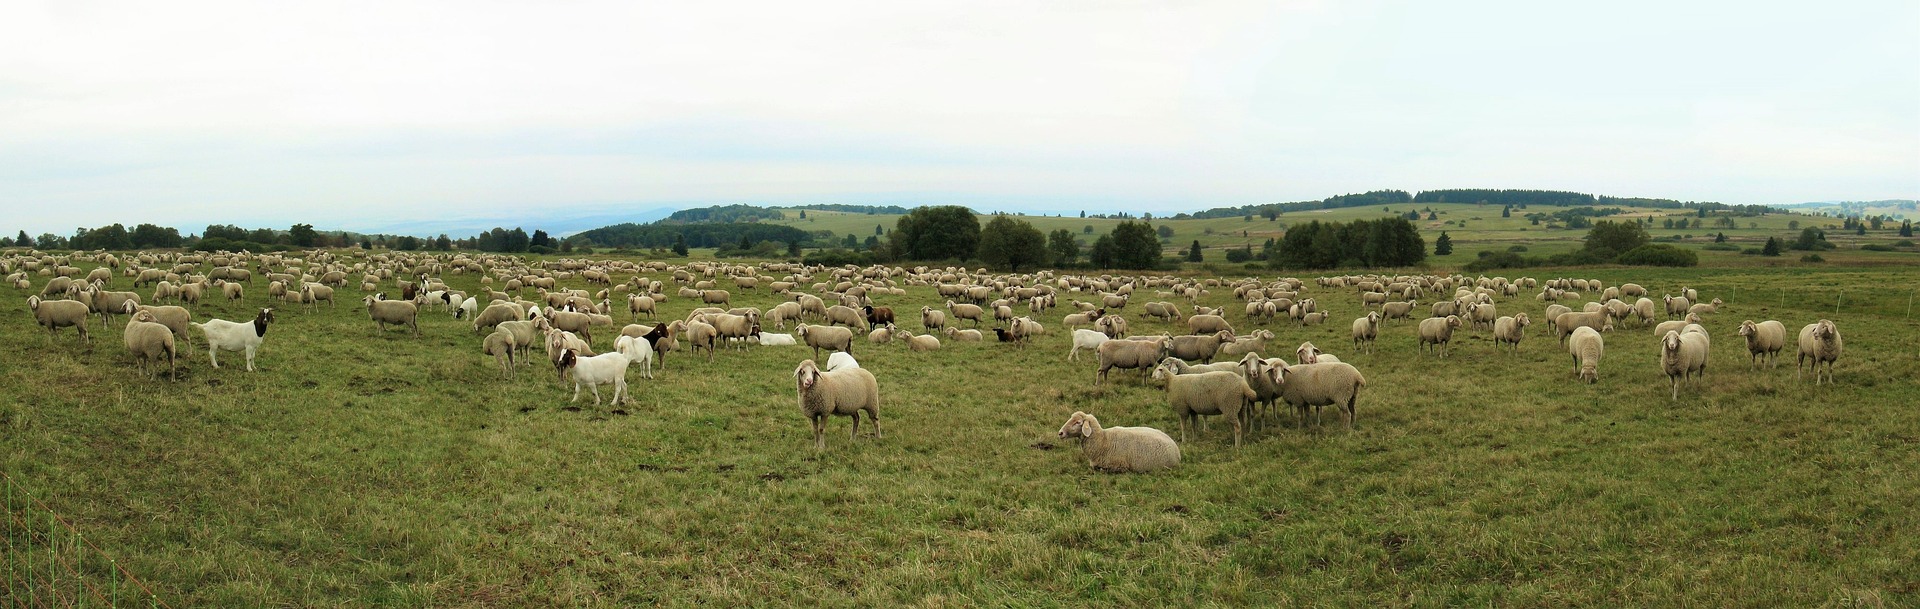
1903, 243
1490, 260
1877, 247
1656, 254
1516, 248
1239, 255
1722, 247
1753, 251
837, 257
1812, 258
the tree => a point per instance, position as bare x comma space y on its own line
24, 241
937, 232
301, 235
1793, 225
803, 214
1083, 214
442, 243
1102, 254
1063, 247
1506, 212
680, 244
1443, 245
879, 230
1193, 253
1608, 239
1088, 229
1432, 215
365, 243
1165, 232
1720, 238
1135, 246
148, 235
1906, 230
540, 238
1413, 215
793, 249
1810, 238
1860, 229
1012, 244
1772, 248
1243, 254
409, 243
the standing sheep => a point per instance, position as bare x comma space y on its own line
932, 319
245, 337
1683, 355
1820, 342
1199, 348
825, 337
1208, 324
1210, 393
1085, 339
845, 392
1765, 340
1509, 330
500, 345
394, 312
148, 340
1438, 332
1336, 384
1121, 449
1365, 329
57, 314
1586, 346
1136, 354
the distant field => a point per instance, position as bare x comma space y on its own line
1483, 229
378, 468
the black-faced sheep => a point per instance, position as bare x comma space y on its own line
844, 392
1121, 449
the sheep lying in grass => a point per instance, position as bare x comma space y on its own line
841, 361
1765, 340
774, 339
1121, 449
920, 343
1819, 342
245, 337
148, 340
1586, 346
1683, 355
846, 392
602, 369
1243, 345
1307, 353
1675, 326
968, 335
1210, 393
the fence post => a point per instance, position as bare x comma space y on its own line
1836, 302
1910, 303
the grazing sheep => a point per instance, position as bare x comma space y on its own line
1765, 340
1644, 309
878, 315
847, 316
1683, 355
1085, 339
571, 321
1508, 330
716, 297
1164, 311
1208, 324
496, 313
1199, 348
1365, 330
1121, 449
467, 309
1438, 332
57, 314
825, 337
967, 311
1173, 366
1819, 342
1243, 345
602, 369
1313, 386
148, 340
1210, 393
233, 291
1114, 326
841, 361
1075, 320
1135, 354
1566, 322
845, 392
1552, 315
245, 337
394, 312
174, 318
500, 345
313, 293
702, 335
1586, 346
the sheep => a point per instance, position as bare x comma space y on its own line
575, 322
1164, 311
782, 313
524, 337
1764, 341
496, 313
1199, 348
1115, 326
1819, 342
1438, 332
1173, 366
57, 314
558, 343
841, 361
967, 311
1643, 309
394, 312
1365, 329
245, 337
1307, 353
878, 315
148, 340
881, 335
1678, 305
174, 318
1566, 322
969, 335
775, 339
313, 293
1483, 315
637, 304
1210, 393
1314, 318
1683, 355
1706, 307
233, 291
1509, 329
1675, 326
1335, 384
731, 328
637, 349
825, 337
846, 392
1586, 346
920, 343
501, 346
1247, 344
1075, 320
1399, 310
602, 369
467, 309
702, 335
1552, 315
715, 297
1085, 339
1208, 324
108, 303
1136, 354
932, 319
1121, 449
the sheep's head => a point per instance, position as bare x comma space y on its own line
806, 376
1671, 342
1307, 353
1080, 425
1824, 329
1747, 328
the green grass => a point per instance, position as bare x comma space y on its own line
364, 468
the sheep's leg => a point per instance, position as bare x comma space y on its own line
855, 434
819, 432
873, 416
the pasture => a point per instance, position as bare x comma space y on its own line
360, 467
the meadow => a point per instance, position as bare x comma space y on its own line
360, 467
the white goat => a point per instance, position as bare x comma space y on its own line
638, 350
236, 336
598, 370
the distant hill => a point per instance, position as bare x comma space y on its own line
1898, 209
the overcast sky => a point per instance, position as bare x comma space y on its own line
362, 115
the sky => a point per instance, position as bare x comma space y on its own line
370, 115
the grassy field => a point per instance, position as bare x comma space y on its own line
367, 468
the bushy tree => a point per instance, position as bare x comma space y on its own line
680, 244
1608, 239
540, 237
1103, 252
1136, 246
1011, 244
148, 235
1772, 248
23, 240
1166, 232
936, 233
1064, 248
1906, 230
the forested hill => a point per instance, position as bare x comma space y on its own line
696, 235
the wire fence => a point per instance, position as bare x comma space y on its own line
49, 563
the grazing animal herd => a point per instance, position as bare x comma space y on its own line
1244, 388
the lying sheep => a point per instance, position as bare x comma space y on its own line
394, 312
1706, 307
1313, 386
1134, 354
1586, 346
1438, 332
881, 335
1675, 326
1121, 449
1819, 342
1314, 318
841, 361
1243, 345
1765, 340
825, 337
1085, 339
845, 393
148, 340
1307, 353
921, 343
969, 335
1365, 330
1508, 330
56, 314
775, 339
1210, 393
1683, 355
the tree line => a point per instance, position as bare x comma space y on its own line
1386, 242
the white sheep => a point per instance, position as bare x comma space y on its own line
148, 340
57, 314
1305, 386
775, 339
602, 369
500, 345
1819, 342
841, 361
1210, 393
1121, 449
1307, 353
845, 392
1683, 355
391, 312
245, 337
920, 343
1508, 330
1438, 332
832, 338
1765, 340
1365, 330
1586, 346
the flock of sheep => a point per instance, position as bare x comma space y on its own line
527, 309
